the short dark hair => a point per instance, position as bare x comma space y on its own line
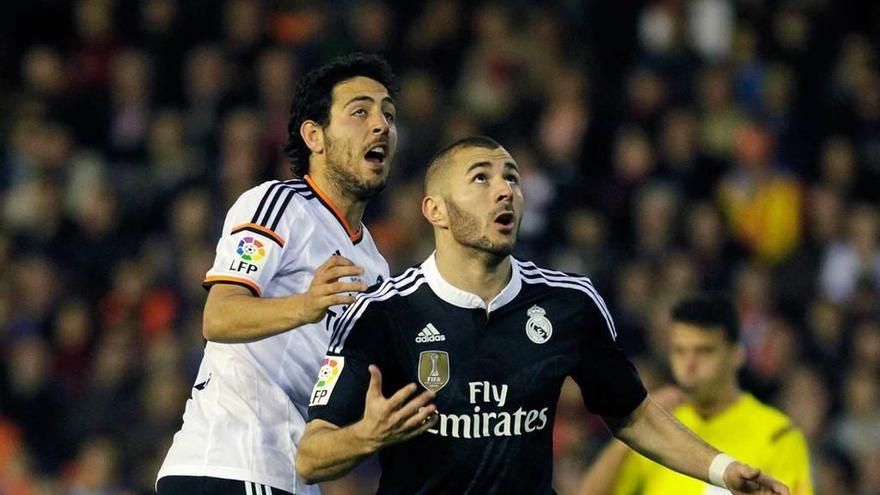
709, 310
467, 142
313, 97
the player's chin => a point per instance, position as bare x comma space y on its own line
372, 186
502, 247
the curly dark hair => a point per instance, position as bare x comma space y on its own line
313, 97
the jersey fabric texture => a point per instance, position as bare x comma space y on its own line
750, 431
249, 404
497, 370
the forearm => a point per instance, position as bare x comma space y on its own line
657, 435
328, 452
601, 475
244, 318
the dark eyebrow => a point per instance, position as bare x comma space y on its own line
478, 165
485, 164
370, 99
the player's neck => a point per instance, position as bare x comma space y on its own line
708, 408
345, 204
473, 271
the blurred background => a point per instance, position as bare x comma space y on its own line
666, 146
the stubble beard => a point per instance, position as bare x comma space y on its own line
465, 229
341, 162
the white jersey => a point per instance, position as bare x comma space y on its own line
250, 402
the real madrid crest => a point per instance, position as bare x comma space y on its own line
538, 328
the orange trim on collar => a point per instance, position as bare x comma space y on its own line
355, 236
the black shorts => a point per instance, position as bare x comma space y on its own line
204, 485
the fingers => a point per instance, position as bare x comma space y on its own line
375, 387
776, 486
334, 273
422, 416
340, 287
750, 473
336, 260
414, 407
338, 299
429, 422
338, 266
397, 400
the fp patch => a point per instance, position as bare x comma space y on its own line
434, 369
328, 375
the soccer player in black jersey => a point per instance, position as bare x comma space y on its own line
490, 339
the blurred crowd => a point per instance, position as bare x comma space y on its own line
667, 146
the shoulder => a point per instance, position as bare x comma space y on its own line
763, 413
374, 304
271, 199
270, 207
265, 192
563, 281
565, 284
777, 425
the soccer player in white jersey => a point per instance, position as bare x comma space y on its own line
291, 255
490, 339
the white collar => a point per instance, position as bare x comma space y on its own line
463, 299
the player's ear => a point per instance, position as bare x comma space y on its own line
434, 210
313, 135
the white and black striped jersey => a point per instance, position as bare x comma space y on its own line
497, 370
249, 404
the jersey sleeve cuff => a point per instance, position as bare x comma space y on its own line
226, 279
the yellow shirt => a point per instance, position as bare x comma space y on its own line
750, 431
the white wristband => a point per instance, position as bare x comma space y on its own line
717, 467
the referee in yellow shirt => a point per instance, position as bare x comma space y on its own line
705, 356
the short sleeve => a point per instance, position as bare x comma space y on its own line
610, 384
790, 462
254, 239
359, 339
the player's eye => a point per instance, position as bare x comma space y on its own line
389, 116
360, 112
513, 179
480, 178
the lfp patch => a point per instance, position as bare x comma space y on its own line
328, 375
250, 249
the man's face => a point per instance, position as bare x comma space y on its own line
361, 137
702, 360
484, 200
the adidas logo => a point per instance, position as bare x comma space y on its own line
429, 334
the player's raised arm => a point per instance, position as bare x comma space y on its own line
328, 451
235, 314
654, 433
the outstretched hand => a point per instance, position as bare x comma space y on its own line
398, 418
742, 479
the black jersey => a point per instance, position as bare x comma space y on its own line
497, 371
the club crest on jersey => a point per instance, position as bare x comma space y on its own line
434, 369
538, 327
328, 376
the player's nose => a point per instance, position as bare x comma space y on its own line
380, 124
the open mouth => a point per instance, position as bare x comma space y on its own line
505, 219
376, 154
